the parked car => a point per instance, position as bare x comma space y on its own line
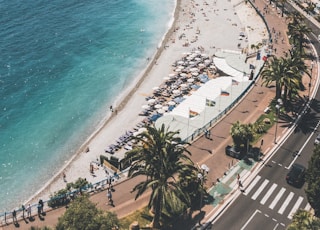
317, 140
296, 175
232, 152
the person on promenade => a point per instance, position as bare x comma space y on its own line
29, 211
23, 210
14, 217
109, 181
39, 210
109, 196
41, 205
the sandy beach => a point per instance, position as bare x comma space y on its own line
209, 25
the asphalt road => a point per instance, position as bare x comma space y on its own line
268, 201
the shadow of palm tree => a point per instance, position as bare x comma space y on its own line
307, 123
315, 105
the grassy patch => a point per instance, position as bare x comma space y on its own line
141, 215
272, 117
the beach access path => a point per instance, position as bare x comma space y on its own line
248, 110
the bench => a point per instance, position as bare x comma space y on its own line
266, 110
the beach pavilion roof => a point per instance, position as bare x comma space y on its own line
232, 63
179, 118
196, 102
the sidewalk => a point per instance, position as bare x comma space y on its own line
204, 151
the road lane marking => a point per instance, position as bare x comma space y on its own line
295, 207
257, 193
253, 183
304, 145
251, 217
308, 207
285, 203
275, 201
270, 191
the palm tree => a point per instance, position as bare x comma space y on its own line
274, 72
297, 31
304, 220
287, 75
160, 156
296, 68
295, 17
242, 134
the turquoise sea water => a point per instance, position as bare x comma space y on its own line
61, 65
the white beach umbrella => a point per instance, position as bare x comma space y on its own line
171, 103
158, 106
204, 55
145, 106
197, 59
194, 69
165, 108
207, 61
141, 130
151, 101
195, 73
190, 80
155, 88
180, 62
191, 63
176, 91
201, 65
183, 74
183, 85
166, 78
178, 70
161, 111
172, 75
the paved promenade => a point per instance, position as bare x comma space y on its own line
204, 151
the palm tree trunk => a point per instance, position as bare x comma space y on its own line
157, 213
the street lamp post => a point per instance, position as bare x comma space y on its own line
201, 176
278, 106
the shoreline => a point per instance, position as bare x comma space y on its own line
131, 90
142, 85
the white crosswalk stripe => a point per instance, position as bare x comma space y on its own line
295, 207
280, 196
253, 183
256, 194
308, 207
275, 201
285, 203
270, 191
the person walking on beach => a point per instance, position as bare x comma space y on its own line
64, 177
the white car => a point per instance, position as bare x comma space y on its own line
317, 140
